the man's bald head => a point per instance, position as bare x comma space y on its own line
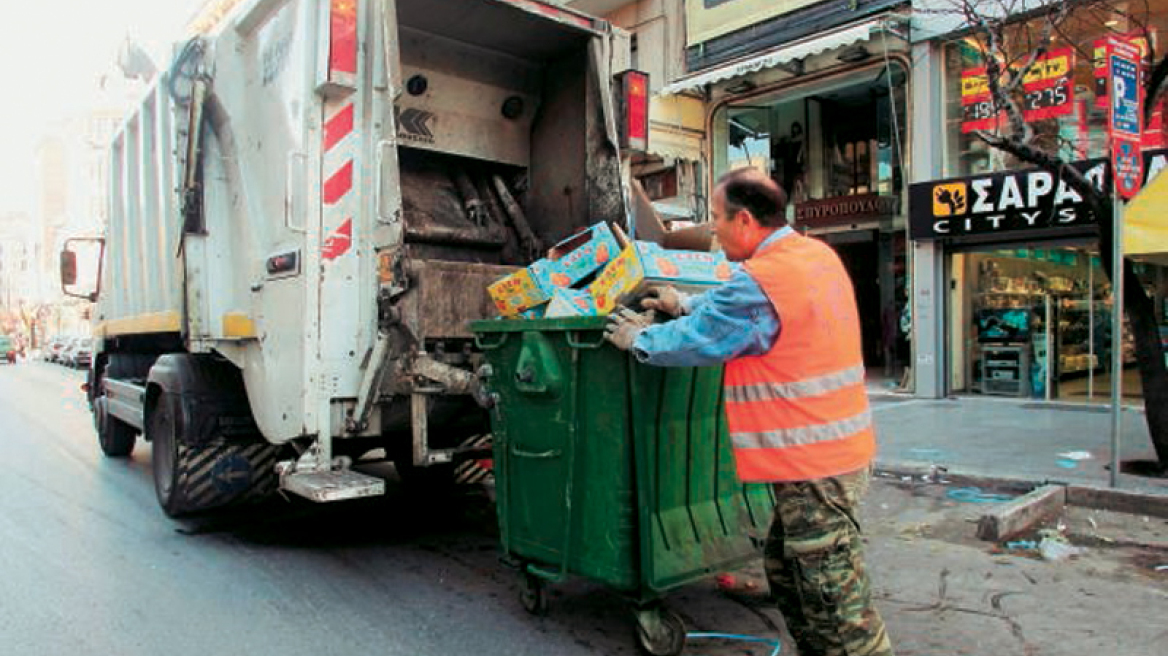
752, 190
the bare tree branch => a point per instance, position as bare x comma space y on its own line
1019, 128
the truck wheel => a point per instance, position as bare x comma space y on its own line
115, 437
192, 478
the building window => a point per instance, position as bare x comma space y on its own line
843, 137
1078, 130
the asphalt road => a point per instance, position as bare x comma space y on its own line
90, 565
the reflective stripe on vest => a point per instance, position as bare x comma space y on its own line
800, 411
805, 435
803, 388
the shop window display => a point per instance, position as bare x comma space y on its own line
1036, 322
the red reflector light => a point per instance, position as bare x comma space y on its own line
634, 93
343, 36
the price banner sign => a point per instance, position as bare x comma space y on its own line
977, 107
1048, 87
1125, 115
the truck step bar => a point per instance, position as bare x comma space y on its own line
337, 485
125, 401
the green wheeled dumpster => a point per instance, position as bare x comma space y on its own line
613, 470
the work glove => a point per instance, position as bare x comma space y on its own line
664, 298
624, 325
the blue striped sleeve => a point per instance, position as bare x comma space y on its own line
731, 320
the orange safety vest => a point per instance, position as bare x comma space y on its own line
800, 411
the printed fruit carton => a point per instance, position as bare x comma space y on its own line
583, 253
642, 263
571, 303
525, 289
568, 262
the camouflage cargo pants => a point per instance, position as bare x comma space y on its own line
815, 566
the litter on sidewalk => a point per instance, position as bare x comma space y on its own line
975, 495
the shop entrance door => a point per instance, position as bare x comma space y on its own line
860, 254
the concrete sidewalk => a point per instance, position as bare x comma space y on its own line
1009, 438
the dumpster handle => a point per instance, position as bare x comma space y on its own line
539, 455
489, 346
574, 342
570, 484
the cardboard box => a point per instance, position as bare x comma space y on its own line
578, 256
525, 289
641, 264
571, 303
568, 262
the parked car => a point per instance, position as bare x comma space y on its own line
57, 347
79, 353
7, 349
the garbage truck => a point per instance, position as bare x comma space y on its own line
305, 211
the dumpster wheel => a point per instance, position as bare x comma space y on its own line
660, 631
533, 594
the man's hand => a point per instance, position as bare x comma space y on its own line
624, 325
663, 298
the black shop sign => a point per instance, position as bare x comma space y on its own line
1010, 202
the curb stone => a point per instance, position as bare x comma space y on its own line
1086, 496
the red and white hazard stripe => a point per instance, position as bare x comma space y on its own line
339, 144
339, 148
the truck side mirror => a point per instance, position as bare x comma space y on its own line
80, 267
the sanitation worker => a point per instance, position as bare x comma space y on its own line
786, 326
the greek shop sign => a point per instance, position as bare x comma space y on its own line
1010, 202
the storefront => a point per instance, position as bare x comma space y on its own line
1028, 309
1012, 298
826, 117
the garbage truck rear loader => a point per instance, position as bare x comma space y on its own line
305, 212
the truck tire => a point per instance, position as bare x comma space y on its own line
194, 478
115, 437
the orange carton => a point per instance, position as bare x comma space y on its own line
584, 252
523, 290
641, 264
571, 303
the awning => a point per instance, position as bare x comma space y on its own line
1145, 221
677, 127
672, 211
783, 55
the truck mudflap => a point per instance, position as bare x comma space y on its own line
196, 475
223, 473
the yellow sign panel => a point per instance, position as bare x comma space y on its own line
950, 199
975, 85
1049, 69
709, 19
